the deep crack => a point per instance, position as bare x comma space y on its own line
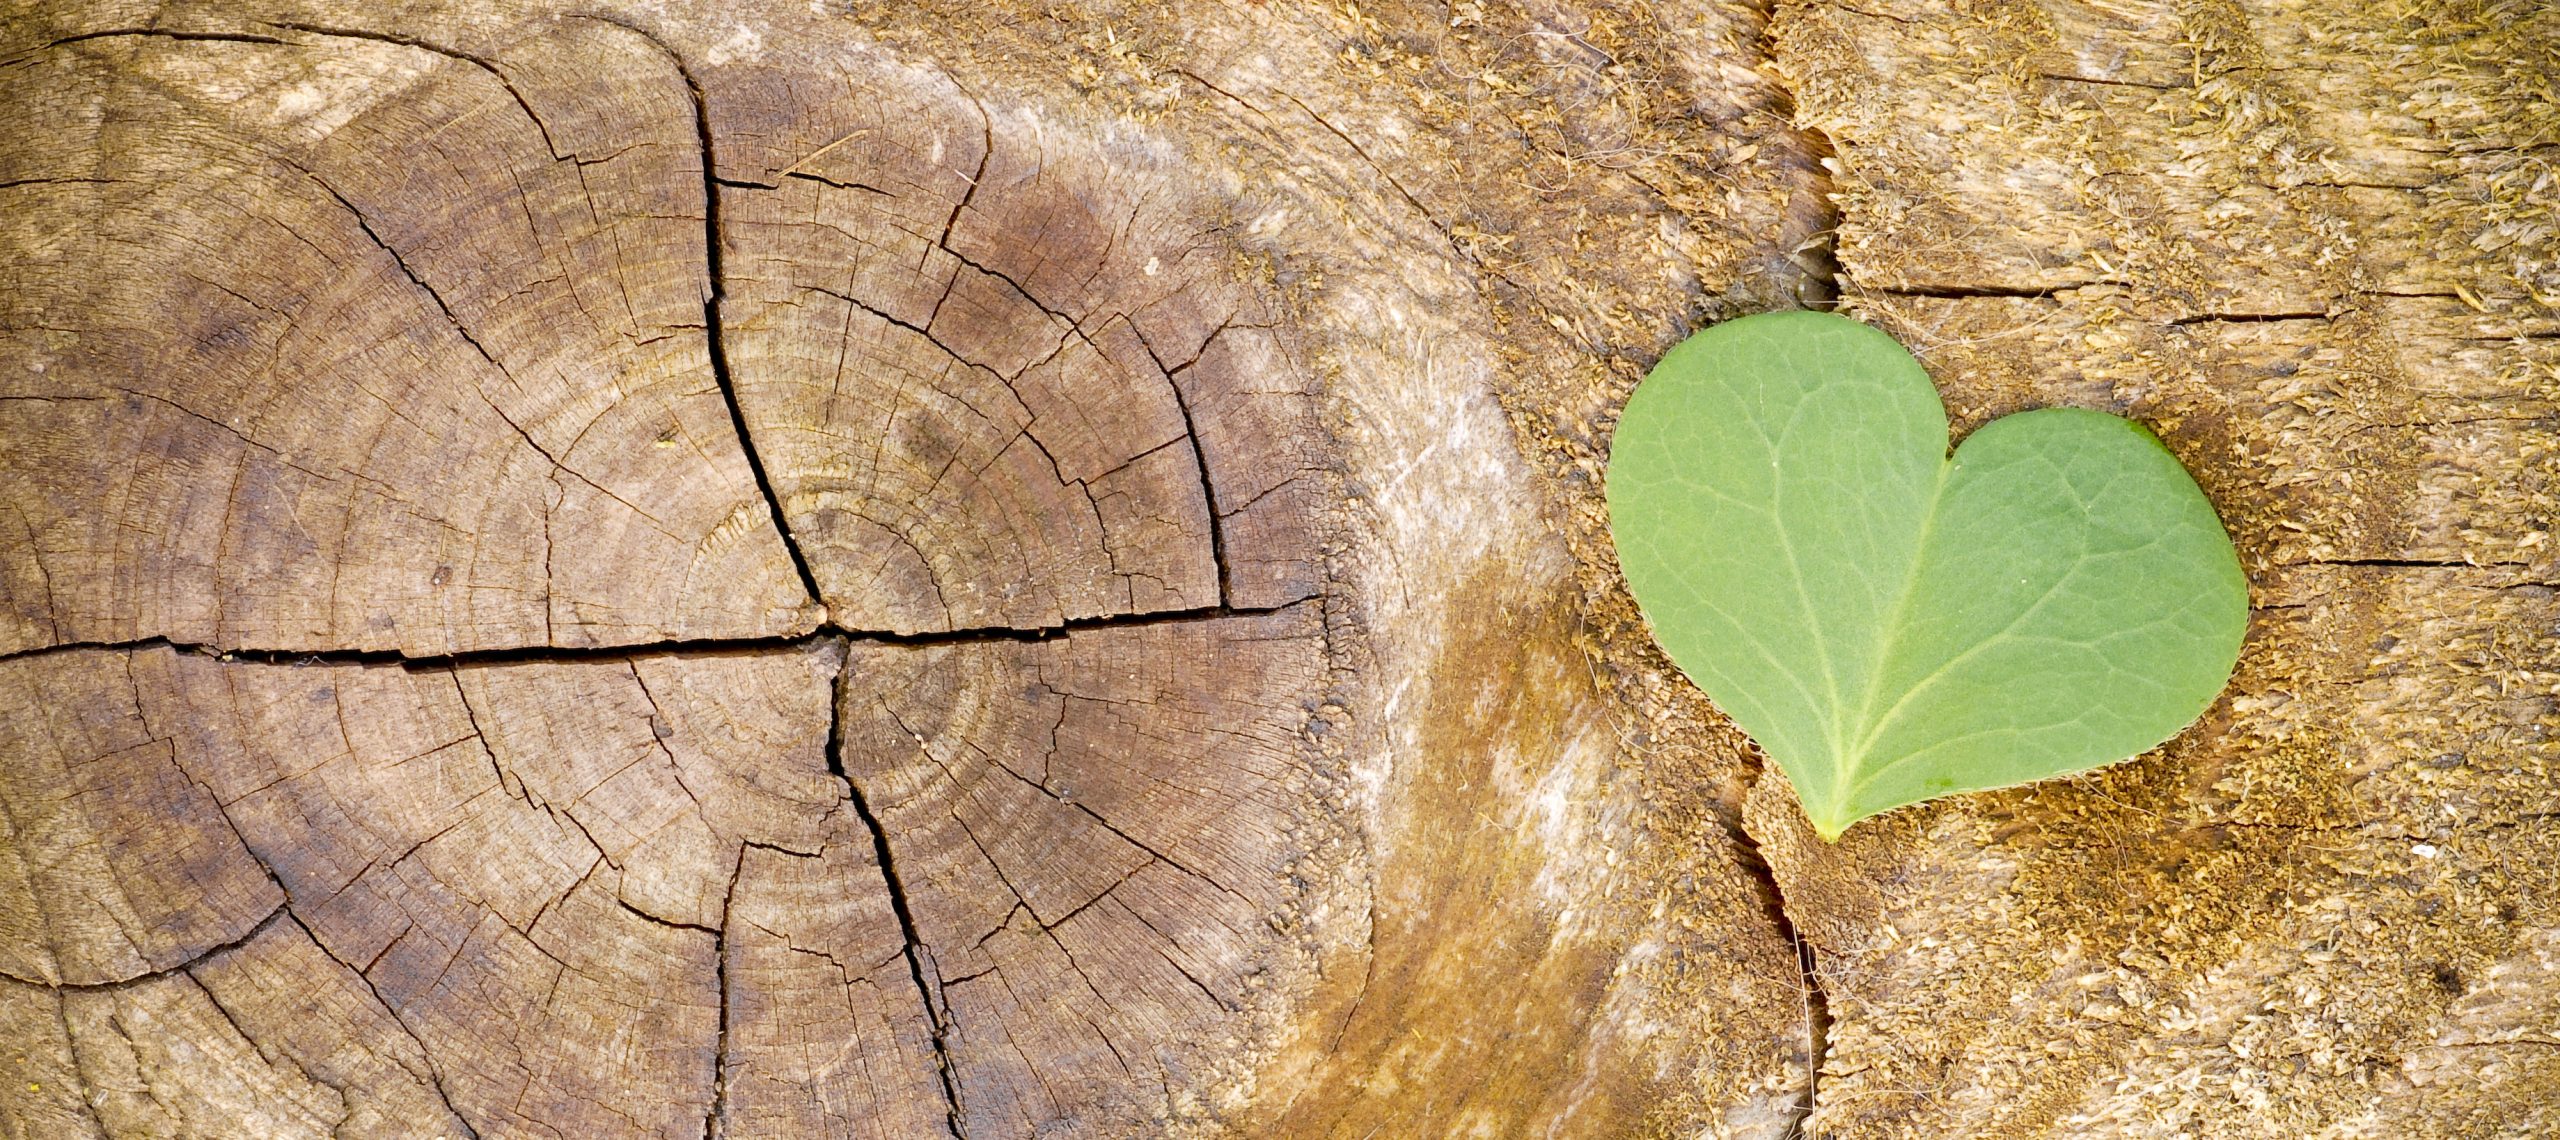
685, 646
714, 334
166, 34
933, 1010
1817, 1003
1199, 455
456, 54
1821, 287
720, 983
153, 975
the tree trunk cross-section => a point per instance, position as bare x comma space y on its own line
584, 574
1005, 570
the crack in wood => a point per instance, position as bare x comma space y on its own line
1980, 291
148, 976
1199, 457
711, 1120
714, 332
1817, 1001
699, 646
439, 49
986, 154
2405, 563
426, 1056
1819, 260
2248, 318
166, 34
936, 1014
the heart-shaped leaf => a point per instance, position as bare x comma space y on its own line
1891, 624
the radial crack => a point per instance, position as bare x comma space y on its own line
148, 976
1817, 1004
1199, 457
1822, 287
714, 331
703, 646
933, 1010
720, 983
435, 1072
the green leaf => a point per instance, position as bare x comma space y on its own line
1893, 625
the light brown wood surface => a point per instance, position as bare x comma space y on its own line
797, 570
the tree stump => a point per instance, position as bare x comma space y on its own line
981, 571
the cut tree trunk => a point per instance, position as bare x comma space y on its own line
807, 569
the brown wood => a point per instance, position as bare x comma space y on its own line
779, 569
2314, 245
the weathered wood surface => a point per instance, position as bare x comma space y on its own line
2315, 245
629, 573
910, 570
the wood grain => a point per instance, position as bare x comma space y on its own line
2290, 236
743, 574
992, 570
413, 356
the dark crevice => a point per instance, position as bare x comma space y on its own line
149, 976
1817, 1003
625, 904
714, 332
1070, 626
683, 647
720, 986
2247, 318
1970, 292
162, 33
1815, 256
1199, 456
531, 654
1061, 316
451, 318
986, 154
821, 180
1222, 92
439, 49
933, 1009
1818, 256
1821, 287
2406, 563
738, 422
14, 183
